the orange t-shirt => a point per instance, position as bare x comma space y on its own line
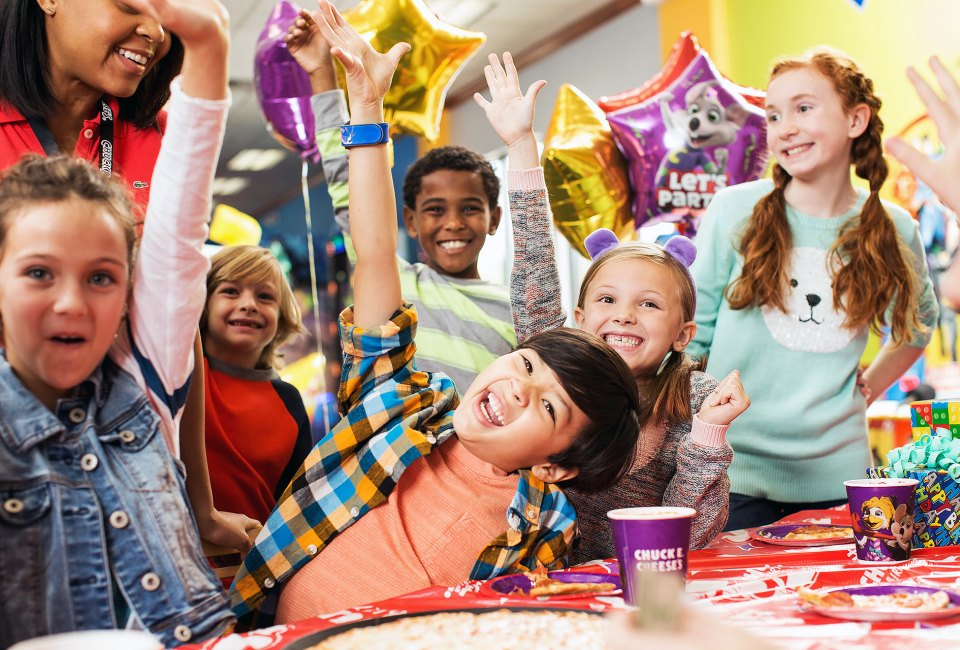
446, 508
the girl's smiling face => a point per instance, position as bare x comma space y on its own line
809, 131
64, 280
634, 305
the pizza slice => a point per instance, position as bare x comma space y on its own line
541, 584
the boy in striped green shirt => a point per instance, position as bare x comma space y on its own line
450, 200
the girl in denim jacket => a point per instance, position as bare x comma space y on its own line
95, 529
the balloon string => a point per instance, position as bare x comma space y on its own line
315, 294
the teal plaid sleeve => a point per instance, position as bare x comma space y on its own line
395, 415
541, 523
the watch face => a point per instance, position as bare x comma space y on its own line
353, 135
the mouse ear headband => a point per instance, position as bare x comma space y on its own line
678, 247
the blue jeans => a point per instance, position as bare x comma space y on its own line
749, 512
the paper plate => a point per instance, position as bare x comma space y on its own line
888, 614
776, 535
519, 585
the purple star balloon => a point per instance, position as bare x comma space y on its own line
687, 142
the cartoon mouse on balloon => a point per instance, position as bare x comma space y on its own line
702, 123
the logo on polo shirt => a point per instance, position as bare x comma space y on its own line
106, 158
139, 185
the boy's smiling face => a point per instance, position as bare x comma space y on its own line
452, 219
516, 414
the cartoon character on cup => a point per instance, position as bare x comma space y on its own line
902, 530
877, 515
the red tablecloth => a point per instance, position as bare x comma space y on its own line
746, 583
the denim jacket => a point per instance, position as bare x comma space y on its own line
92, 505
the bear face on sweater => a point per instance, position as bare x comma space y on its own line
810, 324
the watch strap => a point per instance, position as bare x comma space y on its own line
361, 135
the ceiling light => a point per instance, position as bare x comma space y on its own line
228, 185
255, 160
462, 13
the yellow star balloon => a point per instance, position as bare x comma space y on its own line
415, 100
585, 172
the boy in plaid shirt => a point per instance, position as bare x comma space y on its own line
434, 488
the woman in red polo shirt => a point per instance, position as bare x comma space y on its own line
90, 77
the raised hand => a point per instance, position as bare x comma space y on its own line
726, 402
311, 51
509, 111
940, 174
369, 73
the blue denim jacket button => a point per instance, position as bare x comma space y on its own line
119, 519
76, 415
89, 462
128, 436
182, 633
13, 506
150, 581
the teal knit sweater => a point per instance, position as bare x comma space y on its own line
805, 430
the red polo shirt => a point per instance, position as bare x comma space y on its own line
135, 150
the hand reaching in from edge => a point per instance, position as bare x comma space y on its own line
941, 174
726, 402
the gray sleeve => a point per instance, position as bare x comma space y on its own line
330, 113
701, 480
534, 280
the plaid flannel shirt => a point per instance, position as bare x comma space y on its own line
395, 415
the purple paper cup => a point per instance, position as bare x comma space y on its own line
881, 510
654, 539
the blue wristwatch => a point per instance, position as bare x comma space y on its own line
361, 135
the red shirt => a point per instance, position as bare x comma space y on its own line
135, 150
257, 435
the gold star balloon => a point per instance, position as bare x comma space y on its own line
585, 172
415, 100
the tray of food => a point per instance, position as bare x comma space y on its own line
466, 629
